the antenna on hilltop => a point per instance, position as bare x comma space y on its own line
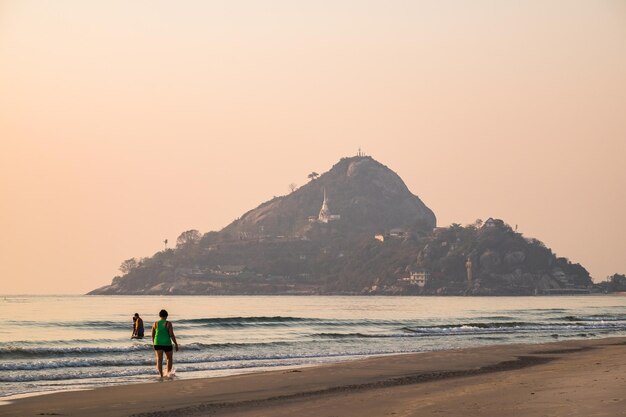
360, 153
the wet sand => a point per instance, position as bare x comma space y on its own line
573, 378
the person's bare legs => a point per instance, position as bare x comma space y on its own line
159, 359
170, 359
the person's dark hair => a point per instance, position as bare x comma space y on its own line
136, 314
163, 314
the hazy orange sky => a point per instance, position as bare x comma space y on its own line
124, 123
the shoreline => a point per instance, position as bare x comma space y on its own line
413, 382
618, 293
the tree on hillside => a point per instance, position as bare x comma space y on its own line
190, 236
129, 265
617, 282
293, 187
313, 175
209, 238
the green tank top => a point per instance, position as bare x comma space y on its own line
162, 335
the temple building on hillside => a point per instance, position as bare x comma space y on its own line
418, 278
325, 216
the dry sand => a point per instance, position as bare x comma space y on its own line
575, 378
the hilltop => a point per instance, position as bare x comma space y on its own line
368, 196
356, 229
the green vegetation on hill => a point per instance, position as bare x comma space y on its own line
614, 283
502, 262
289, 245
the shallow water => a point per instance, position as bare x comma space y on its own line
73, 342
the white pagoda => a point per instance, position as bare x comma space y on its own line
325, 216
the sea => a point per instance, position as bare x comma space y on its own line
58, 343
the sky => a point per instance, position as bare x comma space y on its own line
125, 123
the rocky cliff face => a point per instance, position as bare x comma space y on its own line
368, 197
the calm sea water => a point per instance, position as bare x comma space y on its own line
71, 342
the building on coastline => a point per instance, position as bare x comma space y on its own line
418, 278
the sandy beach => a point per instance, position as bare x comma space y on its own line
573, 378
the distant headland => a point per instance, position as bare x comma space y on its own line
356, 229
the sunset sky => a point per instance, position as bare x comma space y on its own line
123, 123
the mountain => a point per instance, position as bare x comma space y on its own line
356, 229
368, 197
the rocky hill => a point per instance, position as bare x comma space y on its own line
368, 197
476, 259
355, 229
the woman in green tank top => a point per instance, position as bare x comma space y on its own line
162, 338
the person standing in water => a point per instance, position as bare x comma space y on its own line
162, 338
137, 327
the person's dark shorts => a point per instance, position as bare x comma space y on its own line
164, 348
